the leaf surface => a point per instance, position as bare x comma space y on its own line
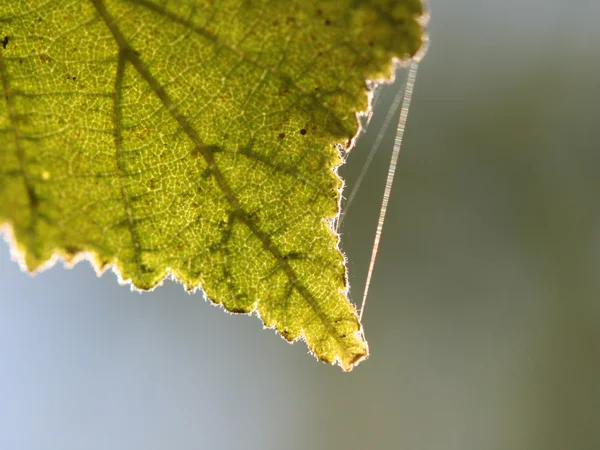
195, 138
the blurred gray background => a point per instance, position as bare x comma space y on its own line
484, 314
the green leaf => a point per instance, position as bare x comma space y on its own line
195, 138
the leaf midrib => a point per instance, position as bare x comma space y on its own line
127, 53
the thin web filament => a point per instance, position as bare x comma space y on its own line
386, 123
407, 97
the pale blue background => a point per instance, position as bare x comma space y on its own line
484, 315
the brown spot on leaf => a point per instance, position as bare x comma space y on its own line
235, 309
70, 253
286, 335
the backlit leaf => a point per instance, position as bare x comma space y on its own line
195, 138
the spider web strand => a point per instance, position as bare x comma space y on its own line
410, 83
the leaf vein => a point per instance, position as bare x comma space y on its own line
208, 154
117, 119
32, 198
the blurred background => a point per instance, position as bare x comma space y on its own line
484, 314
